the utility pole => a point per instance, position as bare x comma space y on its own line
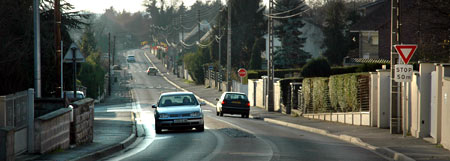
220, 51
114, 49
109, 64
270, 73
57, 14
395, 86
37, 49
229, 48
198, 22
182, 40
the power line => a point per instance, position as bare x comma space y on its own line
284, 17
280, 13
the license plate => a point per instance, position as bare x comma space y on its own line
180, 121
236, 102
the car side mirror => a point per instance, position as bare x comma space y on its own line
202, 103
217, 99
153, 106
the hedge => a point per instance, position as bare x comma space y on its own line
315, 93
279, 73
282, 73
343, 91
307, 92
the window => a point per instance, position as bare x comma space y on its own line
177, 100
235, 96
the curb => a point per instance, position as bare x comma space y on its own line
351, 139
114, 148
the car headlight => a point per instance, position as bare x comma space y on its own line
163, 115
196, 114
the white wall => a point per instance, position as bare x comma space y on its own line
415, 88
373, 99
425, 97
251, 92
277, 96
383, 103
259, 93
445, 135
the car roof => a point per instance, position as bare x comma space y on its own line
175, 93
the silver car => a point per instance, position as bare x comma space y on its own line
178, 110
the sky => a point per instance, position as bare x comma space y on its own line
99, 6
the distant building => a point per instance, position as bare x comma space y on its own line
314, 39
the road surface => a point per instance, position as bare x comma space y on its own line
225, 138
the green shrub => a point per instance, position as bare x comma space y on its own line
195, 67
320, 94
318, 67
307, 92
91, 75
343, 91
366, 67
343, 70
278, 73
315, 93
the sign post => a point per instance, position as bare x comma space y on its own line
403, 72
405, 51
74, 56
242, 73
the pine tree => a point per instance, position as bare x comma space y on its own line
335, 42
291, 53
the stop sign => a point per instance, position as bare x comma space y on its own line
242, 72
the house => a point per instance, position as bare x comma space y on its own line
314, 39
374, 30
418, 25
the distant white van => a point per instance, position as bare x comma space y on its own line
69, 94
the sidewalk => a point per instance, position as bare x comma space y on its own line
393, 146
113, 131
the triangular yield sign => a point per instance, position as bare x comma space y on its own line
405, 51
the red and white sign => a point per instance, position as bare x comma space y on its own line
405, 51
242, 72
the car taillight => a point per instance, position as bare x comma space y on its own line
223, 102
248, 104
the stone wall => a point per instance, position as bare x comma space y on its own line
52, 131
82, 127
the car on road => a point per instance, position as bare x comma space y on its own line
233, 103
69, 94
152, 71
131, 58
178, 110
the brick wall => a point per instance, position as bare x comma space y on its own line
82, 127
52, 131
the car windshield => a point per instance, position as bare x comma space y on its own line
177, 100
235, 96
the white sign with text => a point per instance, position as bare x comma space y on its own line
403, 73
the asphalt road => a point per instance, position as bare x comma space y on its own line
225, 138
